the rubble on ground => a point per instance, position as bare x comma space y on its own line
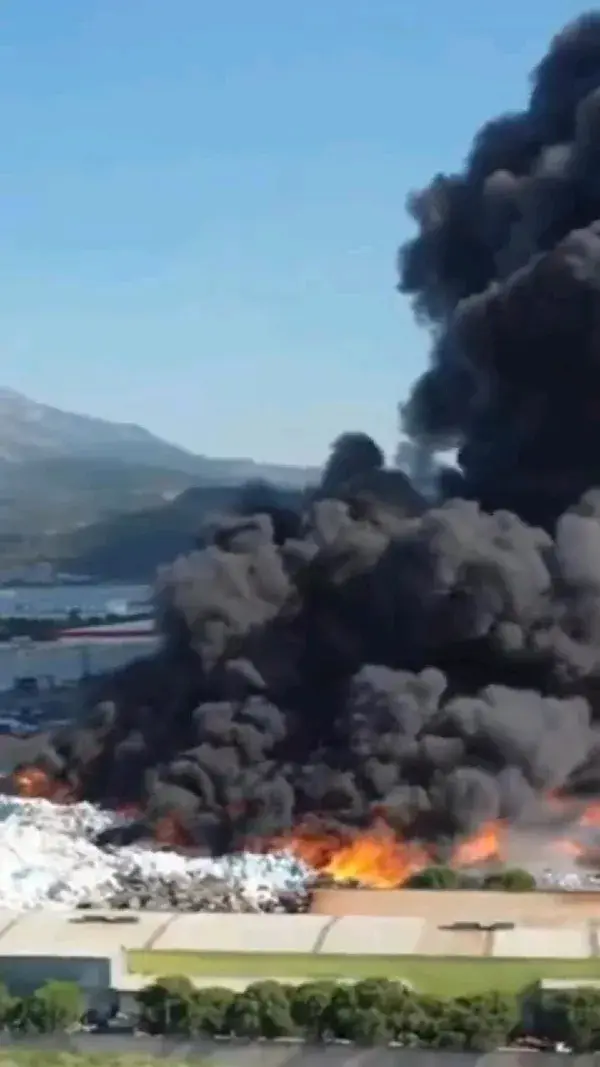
48, 858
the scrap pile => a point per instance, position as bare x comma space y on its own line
48, 858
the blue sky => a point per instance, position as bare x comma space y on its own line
201, 202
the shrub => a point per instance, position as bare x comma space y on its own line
394, 1003
434, 878
167, 1006
57, 1006
572, 1017
485, 1021
336, 1019
308, 1002
262, 1010
371, 1012
511, 881
7, 1007
210, 1010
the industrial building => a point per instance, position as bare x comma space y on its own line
93, 948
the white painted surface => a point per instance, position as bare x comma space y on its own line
565, 943
358, 935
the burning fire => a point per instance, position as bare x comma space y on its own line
169, 832
591, 815
380, 859
489, 843
377, 857
35, 784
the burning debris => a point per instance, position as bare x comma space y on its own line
371, 660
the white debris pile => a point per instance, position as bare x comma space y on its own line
48, 858
569, 880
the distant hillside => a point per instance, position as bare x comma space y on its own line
61, 472
30, 431
46, 496
131, 547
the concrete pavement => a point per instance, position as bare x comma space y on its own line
44, 933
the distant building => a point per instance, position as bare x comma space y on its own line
24, 972
134, 630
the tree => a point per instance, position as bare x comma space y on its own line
370, 1026
572, 1017
7, 1007
421, 1021
514, 880
337, 1017
377, 992
167, 1006
210, 1010
434, 878
308, 1003
57, 1006
262, 1010
244, 1017
485, 1021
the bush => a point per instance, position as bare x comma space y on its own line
572, 1017
168, 1006
56, 1007
372, 1012
262, 1010
359, 1012
7, 1007
375, 1011
483, 1022
434, 878
308, 1002
211, 1009
511, 881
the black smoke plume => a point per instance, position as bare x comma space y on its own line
364, 652
506, 267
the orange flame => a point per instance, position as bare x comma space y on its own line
591, 815
484, 845
169, 832
377, 857
33, 783
574, 849
381, 859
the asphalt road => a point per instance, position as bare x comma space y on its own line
283, 1054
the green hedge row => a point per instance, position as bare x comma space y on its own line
375, 1011
371, 1012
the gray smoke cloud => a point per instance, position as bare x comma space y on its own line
363, 650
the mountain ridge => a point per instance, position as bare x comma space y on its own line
61, 473
31, 430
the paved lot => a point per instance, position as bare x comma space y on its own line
281, 1054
